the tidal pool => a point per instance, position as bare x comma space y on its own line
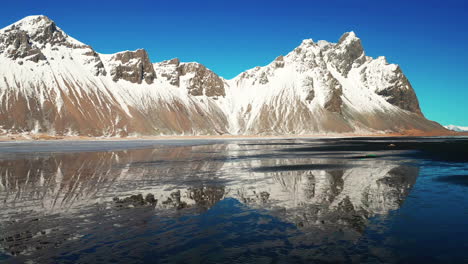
342, 200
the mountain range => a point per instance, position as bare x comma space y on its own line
53, 84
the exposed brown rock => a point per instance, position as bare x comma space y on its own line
309, 85
334, 103
174, 61
206, 196
310, 96
199, 80
263, 78
279, 62
133, 66
204, 81
136, 200
16, 44
49, 33
401, 93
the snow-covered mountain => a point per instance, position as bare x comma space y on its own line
457, 128
51, 83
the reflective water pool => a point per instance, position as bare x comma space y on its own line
361, 200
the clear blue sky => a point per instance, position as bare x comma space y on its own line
429, 39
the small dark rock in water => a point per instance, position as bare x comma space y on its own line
150, 199
174, 201
264, 196
136, 200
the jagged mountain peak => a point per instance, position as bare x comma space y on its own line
307, 43
348, 37
41, 30
347, 53
350, 42
341, 55
35, 38
137, 51
174, 61
345, 39
31, 24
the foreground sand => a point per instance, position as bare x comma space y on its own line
410, 133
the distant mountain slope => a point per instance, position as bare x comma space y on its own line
51, 83
457, 128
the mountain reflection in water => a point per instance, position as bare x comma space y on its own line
207, 203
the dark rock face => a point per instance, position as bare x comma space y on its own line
174, 201
309, 85
174, 61
279, 62
16, 44
204, 81
335, 101
310, 96
206, 197
401, 93
136, 200
133, 66
198, 79
49, 33
263, 78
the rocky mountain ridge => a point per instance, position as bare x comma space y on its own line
51, 83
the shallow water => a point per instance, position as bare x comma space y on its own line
360, 200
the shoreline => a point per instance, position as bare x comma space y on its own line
46, 137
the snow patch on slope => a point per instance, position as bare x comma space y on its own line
457, 128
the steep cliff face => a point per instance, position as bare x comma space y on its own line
132, 66
194, 77
52, 83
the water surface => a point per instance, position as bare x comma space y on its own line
362, 200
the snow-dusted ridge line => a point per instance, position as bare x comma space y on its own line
51, 83
457, 128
